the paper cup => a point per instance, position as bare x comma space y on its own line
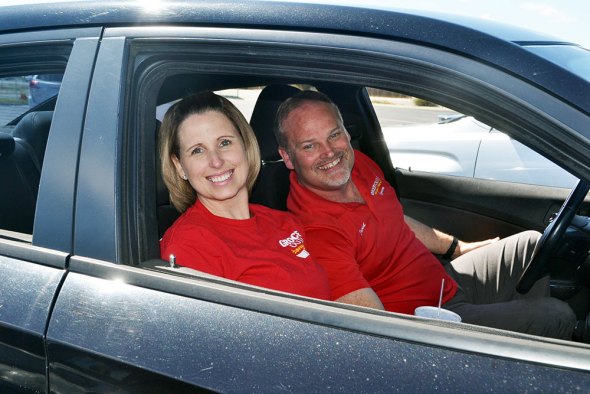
433, 312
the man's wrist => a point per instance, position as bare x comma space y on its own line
451, 251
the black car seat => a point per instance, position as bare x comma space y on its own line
21, 158
33, 129
19, 179
272, 186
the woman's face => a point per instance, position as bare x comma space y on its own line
213, 157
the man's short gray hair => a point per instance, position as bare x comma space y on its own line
295, 102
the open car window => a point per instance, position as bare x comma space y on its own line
424, 136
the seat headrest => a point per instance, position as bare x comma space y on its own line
263, 118
6, 144
34, 129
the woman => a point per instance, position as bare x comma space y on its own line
210, 160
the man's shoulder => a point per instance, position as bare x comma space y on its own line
365, 166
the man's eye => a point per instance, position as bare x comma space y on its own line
335, 135
307, 146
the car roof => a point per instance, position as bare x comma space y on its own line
388, 21
496, 44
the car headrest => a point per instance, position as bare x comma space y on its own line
34, 129
6, 144
263, 118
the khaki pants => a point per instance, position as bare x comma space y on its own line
487, 295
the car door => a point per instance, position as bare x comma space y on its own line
126, 320
36, 227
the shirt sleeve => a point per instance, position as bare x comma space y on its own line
336, 254
192, 249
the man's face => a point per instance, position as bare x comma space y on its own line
319, 147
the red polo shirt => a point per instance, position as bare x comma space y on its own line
267, 250
370, 245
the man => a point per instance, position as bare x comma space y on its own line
356, 230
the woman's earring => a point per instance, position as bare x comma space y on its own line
184, 177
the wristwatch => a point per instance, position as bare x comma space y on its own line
451, 249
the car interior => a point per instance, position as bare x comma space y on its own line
272, 185
452, 204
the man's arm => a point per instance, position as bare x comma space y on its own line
362, 297
438, 242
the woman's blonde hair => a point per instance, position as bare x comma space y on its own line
182, 194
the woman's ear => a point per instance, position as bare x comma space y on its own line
179, 170
286, 158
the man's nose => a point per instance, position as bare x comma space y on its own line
326, 150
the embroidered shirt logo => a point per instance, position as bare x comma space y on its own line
377, 187
295, 242
362, 229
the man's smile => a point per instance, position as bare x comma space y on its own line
331, 164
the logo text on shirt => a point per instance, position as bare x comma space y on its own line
295, 241
377, 186
362, 229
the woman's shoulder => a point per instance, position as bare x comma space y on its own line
189, 220
264, 212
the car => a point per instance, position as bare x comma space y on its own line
86, 303
43, 87
463, 146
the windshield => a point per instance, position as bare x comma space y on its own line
573, 58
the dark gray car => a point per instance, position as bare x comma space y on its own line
86, 305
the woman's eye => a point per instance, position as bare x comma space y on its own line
224, 143
197, 150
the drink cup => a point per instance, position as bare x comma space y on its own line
433, 312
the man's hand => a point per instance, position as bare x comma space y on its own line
464, 247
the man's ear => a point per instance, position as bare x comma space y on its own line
286, 158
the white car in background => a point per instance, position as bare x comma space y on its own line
463, 146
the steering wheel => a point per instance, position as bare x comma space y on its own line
551, 238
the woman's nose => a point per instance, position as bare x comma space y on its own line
215, 159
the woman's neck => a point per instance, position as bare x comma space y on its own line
234, 208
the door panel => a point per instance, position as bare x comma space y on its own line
476, 209
107, 335
26, 294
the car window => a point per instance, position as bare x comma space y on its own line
25, 118
43, 87
14, 98
423, 136
573, 58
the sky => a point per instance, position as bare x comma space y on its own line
565, 19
